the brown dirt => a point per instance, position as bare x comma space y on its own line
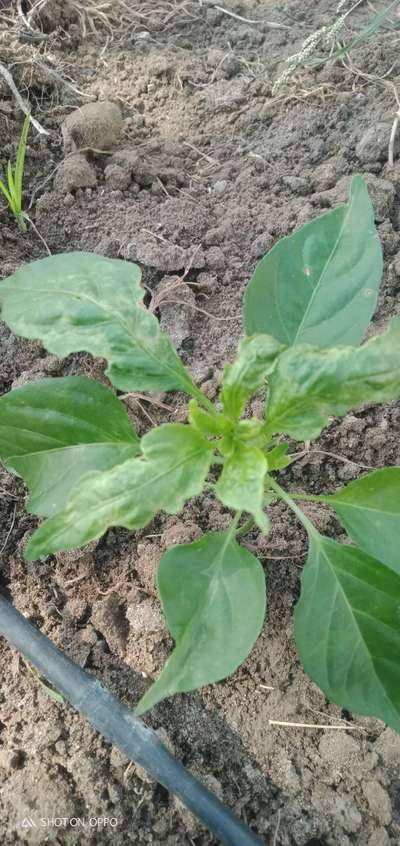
217, 170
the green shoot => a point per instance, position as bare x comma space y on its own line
13, 190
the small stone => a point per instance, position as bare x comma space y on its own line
108, 246
61, 747
207, 282
11, 759
94, 125
145, 617
324, 177
168, 257
378, 801
297, 184
215, 258
373, 144
108, 618
116, 177
75, 609
74, 172
382, 194
220, 186
261, 245
128, 160
176, 317
69, 200
118, 758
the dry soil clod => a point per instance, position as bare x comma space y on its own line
95, 125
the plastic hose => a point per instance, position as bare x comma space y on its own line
119, 725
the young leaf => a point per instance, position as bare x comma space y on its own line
309, 385
12, 189
278, 458
82, 301
320, 285
206, 423
241, 483
205, 588
369, 509
256, 360
6, 193
20, 160
174, 466
347, 629
54, 431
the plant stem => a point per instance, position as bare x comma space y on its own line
246, 528
195, 392
308, 525
308, 497
21, 222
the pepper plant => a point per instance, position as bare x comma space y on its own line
306, 311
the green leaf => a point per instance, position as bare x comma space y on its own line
213, 596
369, 509
206, 423
54, 431
82, 301
320, 285
11, 188
347, 629
310, 385
174, 466
278, 458
20, 160
256, 359
6, 193
241, 483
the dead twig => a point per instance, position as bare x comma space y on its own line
394, 129
345, 727
62, 81
310, 452
270, 24
23, 106
278, 825
10, 529
138, 396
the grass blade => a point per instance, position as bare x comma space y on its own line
368, 31
20, 160
6, 193
11, 188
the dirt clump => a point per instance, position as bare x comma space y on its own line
95, 125
73, 173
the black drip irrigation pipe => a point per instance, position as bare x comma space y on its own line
119, 725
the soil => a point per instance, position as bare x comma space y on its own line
207, 170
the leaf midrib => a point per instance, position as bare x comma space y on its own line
352, 616
194, 623
149, 481
347, 504
82, 295
303, 399
322, 276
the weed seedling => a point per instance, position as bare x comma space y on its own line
13, 190
306, 312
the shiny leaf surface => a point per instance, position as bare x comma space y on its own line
204, 589
320, 285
